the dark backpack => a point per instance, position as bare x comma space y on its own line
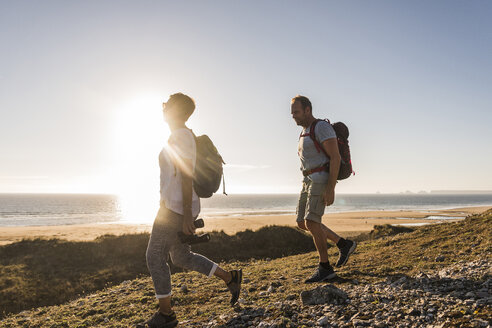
208, 168
342, 132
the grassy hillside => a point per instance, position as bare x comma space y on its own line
41, 272
412, 278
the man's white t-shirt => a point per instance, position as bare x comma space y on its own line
181, 145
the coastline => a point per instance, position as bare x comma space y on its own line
345, 224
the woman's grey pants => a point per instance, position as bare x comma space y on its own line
163, 242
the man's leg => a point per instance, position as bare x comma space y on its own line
330, 234
312, 221
319, 238
345, 246
325, 270
301, 207
309, 212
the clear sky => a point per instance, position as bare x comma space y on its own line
82, 82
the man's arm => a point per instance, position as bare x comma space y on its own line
187, 192
330, 146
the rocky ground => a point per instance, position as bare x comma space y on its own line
458, 295
435, 276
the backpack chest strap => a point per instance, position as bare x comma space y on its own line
317, 169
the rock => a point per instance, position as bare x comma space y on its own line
361, 323
400, 281
184, 288
413, 311
271, 289
379, 324
322, 295
354, 316
482, 294
481, 323
440, 258
263, 294
323, 321
443, 273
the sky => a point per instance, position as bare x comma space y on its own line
82, 82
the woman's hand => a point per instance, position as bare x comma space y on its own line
188, 225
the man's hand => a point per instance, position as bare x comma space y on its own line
329, 195
188, 226
331, 150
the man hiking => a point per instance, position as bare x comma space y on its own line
178, 210
320, 172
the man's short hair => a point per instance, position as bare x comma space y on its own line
305, 102
184, 103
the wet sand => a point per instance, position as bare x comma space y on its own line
346, 224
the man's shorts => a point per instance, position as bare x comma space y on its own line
311, 205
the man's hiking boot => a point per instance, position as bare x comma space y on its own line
160, 320
321, 274
235, 285
345, 252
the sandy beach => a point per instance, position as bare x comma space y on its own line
346, 224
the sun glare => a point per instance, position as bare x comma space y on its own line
139, 133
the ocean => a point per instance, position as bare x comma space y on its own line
67, 209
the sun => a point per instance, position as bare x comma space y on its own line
138, 135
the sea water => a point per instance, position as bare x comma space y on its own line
66, 209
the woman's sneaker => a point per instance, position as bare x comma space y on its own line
235, 285
160, 320
345, 252
321, 274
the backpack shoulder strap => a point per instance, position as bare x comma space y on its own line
193, 133
312, 134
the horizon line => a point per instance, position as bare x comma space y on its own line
272, 193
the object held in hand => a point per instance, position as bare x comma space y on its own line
199, 223
193, 239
